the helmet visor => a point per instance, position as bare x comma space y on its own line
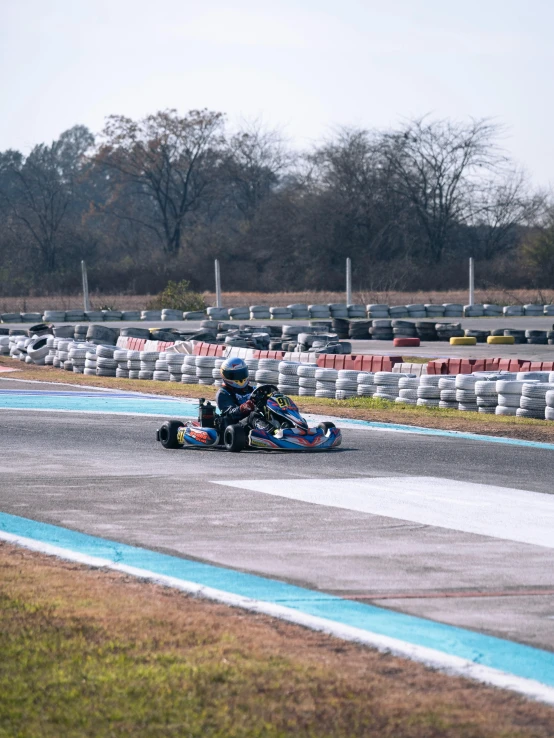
236, 375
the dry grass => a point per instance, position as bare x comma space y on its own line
362, 408
234, 299
88, 652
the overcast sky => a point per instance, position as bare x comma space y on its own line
304, 66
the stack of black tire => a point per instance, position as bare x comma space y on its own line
446, 331
381, 330
518, 335
480, 336
537, 337
426, 331
359, 330
341, 327
403, 329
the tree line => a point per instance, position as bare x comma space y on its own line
159, 198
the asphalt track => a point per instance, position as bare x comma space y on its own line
458, 531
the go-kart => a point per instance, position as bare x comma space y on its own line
275, 423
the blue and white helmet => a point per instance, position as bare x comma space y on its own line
234, 372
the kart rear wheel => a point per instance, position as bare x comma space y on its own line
167, 435
326, 426
235, 438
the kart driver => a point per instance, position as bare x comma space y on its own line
233, 399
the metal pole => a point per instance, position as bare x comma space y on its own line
217, 284
348, 282
471, 281
86, 302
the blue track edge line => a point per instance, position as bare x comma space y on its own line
506, 656
446, 433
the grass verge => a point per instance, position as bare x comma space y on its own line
360, 408
88, 652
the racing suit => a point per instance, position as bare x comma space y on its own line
229, 399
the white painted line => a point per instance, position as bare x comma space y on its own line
435, 659
498, 512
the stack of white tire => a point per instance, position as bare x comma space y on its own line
347, 384
268, 371
299, 311
408, 390
216, 372
356, 311
287, 382
174, 366
377, 311
447, 388
4, 345
306, 379
509, 396
416, 311
106, 365
239, 313
188, 369
428, 391
366, 384
148, 364
133, 363
387, 385
168, 314
453, 310
77, 355
279, 313
122, 370
532, 403
326, 383
319, 312
204, 369
465, 392
161, 368
259, 312
487, 395
549, 410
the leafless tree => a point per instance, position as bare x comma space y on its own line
165, 162
437, 168
40, 189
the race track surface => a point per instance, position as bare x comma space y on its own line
455, 530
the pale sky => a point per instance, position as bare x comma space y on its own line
305, 67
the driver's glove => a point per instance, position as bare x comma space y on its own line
247, 407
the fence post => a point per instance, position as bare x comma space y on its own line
217, 284
86, 302
471, 281
348, 282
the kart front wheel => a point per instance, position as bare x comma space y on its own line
326, 426
167, 435
234, 438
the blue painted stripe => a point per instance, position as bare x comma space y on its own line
446, 433
513, 658
138, 404
105, 403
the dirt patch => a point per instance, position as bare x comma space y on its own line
90, 652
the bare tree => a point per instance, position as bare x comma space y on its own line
437, 168
165, 161
256, 158
500, 208
40, 189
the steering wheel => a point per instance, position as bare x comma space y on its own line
261, 393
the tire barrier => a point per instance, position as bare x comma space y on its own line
294, 311
502, 386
